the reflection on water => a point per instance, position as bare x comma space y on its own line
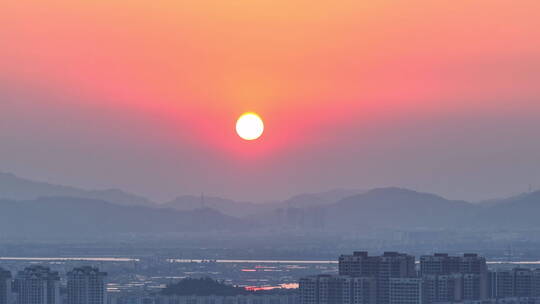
252, 261
315, 262
266, 287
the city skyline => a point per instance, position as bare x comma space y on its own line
257, 152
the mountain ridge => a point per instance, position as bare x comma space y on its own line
333, 210
79, 216
17, 188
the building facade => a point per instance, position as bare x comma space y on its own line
332, 289
382, 268
441, 279
406, 291
517, 282
455, 278
86, 285
442, 288
439, 264
5, 286
37, 285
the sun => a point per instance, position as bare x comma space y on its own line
249, 126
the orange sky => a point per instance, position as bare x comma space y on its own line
314, 70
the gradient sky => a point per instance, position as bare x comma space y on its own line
438, 96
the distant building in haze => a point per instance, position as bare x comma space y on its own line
5, 286
517, 282
331, 289
441, 279
86, 285
454, 278
439, 264
406, 291
446, 288
37, 285
382, 268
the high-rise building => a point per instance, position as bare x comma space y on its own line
473, 270
393, 265
331, 289
523, 282
359, 264
37, 285
536, 283
442, 263
86, 285
518, 282
443, 288
308, 288
389, 265
472, 287
406, 291
364, 290
444, 279
5, 286
503, 283
472, 263
439, 264
339, 289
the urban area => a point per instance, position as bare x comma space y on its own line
358, 278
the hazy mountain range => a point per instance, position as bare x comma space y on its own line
16, 188
35, 208
85, 217
226, 206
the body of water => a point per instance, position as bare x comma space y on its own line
67, 259
124, 259
315, 261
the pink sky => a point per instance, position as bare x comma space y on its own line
439, 96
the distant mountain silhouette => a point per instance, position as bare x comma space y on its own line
30, 207
247, 209
301, 211
396, 208
320, 198
405, 209
76, 216
517, 212
16, 188
225, 206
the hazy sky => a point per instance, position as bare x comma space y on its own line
438, 96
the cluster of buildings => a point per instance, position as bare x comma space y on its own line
394, 278
40, 285
87, 285
390, 278
238, 299
156, 298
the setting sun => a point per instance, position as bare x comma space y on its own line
249, 126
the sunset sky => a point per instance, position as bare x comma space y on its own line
437, 96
